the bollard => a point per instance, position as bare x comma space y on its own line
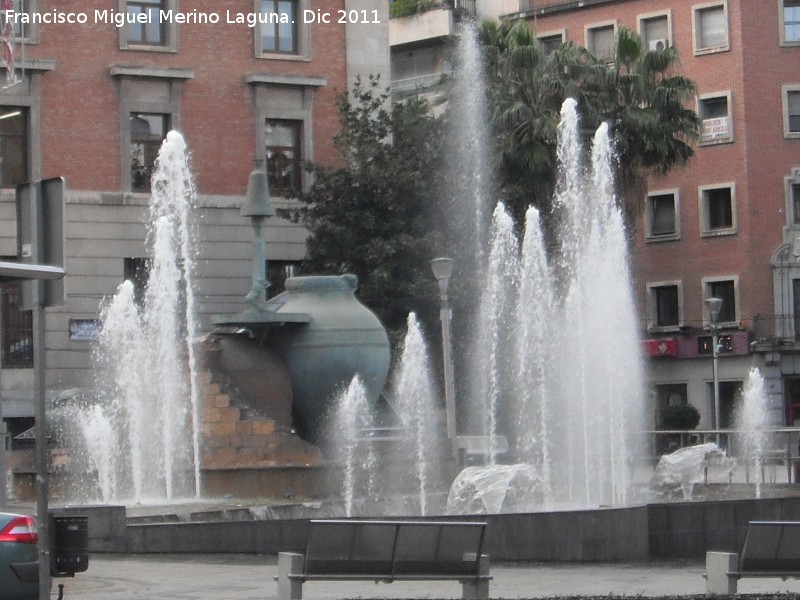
477, 589
721, 572
289, 563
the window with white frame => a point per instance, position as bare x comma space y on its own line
794, 194
661, 216
727, 290
665, 305
145, 29
789, 11
717, 209
655, 31
791, 111
550, 42
715, 112
710, 27
601, 41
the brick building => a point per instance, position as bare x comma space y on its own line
96, 97
727, 225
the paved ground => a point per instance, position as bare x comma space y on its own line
249, 577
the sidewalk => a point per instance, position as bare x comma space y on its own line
250, 577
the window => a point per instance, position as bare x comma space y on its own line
790, 21
13, 145
17, 329
714, 110
601, 41
717, 210
149, 107
669, 395
793, 196
661, 215
550, 42
278, 271
730, 397
279, 34
667, 303
710, 28
147, 134
282, 138
655, 32
151, 31
152, 34
664, 305
726, 290
137, 271
791, 111
22, 30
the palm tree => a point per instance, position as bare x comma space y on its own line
638, 94
646, 104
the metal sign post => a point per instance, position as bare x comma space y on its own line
40, 239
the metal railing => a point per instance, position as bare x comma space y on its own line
782, 447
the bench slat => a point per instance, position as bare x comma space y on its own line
387, 578
413, 549
771, 547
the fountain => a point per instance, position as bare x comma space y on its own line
555, 390
571, 394
139, 428
349, 424
398, 473
752, 420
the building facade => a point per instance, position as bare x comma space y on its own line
101, 82
727, 224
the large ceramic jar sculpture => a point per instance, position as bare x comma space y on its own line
343, 338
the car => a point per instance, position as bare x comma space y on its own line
19, 557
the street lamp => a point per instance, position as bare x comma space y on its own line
714, 305
442, 269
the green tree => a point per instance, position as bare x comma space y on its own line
639, 94
369, 215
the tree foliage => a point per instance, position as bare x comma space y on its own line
639, 94
368, 216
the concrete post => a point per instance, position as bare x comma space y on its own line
721, 569
289, 563
477, 589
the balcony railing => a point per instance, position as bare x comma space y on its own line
416, 83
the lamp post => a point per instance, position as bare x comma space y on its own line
714, 305
442, 269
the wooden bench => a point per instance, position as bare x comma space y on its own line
770, 549
387, 551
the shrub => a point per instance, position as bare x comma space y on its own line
403, 8
682, 417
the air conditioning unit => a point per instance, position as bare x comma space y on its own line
657, 45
